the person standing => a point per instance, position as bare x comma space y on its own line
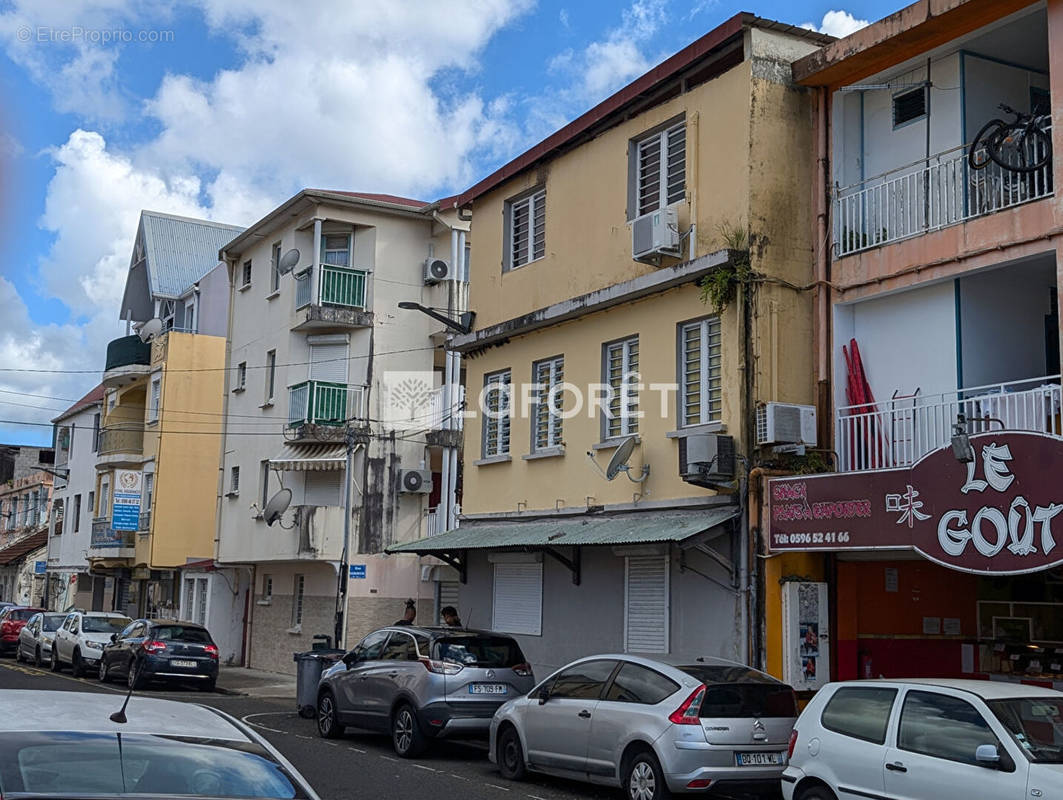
409, 614
450, 617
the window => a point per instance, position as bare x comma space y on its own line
149, 490
105, 496
370, 648
274, 268
620, 373
518, 598
112, 401
267, 587
95, 433
638, 684
156, 397
862, 713
263, 482
909, 106
583, 681
77, 513
465, 264
699, 372
943, 727
526, 229
646, 604
657, 169
329, 356
496, 399
271, 374
92, 502
547, 376
190, 314
246, 274
241, 376
400, 647
297, 601
70, 448
57, 517
234, 480
336, 249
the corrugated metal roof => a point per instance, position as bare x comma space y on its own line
180, 250
637, 527
316, 457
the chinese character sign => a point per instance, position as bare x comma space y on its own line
125, 513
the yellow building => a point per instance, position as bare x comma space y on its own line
161, 433
592, 251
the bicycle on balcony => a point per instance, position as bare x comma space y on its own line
1022, 145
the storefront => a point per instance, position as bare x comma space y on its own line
947, 568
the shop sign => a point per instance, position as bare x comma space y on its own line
126, 507
995, 515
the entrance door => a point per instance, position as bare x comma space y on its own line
806, 637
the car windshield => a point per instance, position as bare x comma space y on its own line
51, 622
68, 764
1036, 725
21, 614
104, 624
179, 633
480, 651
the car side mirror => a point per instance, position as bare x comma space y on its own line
350, 659
114, 637
543, 695
987, 756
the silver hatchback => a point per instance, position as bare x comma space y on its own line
420, 684
650, 727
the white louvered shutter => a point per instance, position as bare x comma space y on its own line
328, 362
661, 168
448, 596
323, 488
518, 599
646, 604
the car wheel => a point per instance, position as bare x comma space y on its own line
510, 755
18, 653
56, 666
643, 778
816, 793
103, 671
132, 677
208, 686
328, 724
37, 660
406, 733
77, 669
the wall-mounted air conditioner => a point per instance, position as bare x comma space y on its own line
786, 423
415, 481
654, 235
436, 270
707, 459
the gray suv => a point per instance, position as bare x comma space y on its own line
422, 683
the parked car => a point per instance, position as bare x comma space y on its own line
80, 639
163, 650
650, 727
12, 620
422, 683
64, 744
35, 638
927, 740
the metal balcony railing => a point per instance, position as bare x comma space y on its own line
302, 289
928, 195
121, 439
103, 535
897, 433
144, 523
321, 403
342, 286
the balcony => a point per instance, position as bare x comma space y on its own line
128, 358
897, 433
121, 444
341, 300
106, 542
321, 411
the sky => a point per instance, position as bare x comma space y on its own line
222, 109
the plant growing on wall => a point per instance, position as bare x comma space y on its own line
720, 286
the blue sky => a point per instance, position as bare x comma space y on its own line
224, 108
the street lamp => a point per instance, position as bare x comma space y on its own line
462, 325
962, 448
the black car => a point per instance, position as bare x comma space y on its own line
165, 650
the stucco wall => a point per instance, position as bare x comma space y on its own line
213, 302
67, 551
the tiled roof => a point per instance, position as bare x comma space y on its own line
180, 250
27, 544
92, 398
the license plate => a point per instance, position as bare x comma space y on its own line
758, 759
487, 688
178, 663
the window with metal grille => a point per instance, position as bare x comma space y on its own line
699, 372
660, 169
909, 106
527, 229
620, 374
547, 375
274, 268
496, 414
247, 274
234, 480
297, 601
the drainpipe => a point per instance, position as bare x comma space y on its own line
821, 249
455, 372
315, 270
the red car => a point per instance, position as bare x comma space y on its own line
12, 620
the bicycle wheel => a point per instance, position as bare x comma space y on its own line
1024, 149
979, 155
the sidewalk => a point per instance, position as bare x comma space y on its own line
255, 683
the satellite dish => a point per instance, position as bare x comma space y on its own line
288, 262
277, 505
622, 454
150, 329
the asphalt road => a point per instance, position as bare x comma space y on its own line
360, 766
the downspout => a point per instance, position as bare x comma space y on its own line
455, 370
695, 173
821, 250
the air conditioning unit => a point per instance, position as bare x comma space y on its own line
415, 481
707, 459
786, 423
654, 235
436, 270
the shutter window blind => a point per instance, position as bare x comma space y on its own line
496, 420
661, 168
699, 374
323, 487
646, 604
527, 229
328, 362
518, 599
621, 374
548, 422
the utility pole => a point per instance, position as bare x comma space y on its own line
345, 556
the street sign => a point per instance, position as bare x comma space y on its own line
357, 571
40, 567
125, 515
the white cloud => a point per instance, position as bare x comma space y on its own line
837, 23
563, 18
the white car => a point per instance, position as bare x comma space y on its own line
927, 740
80, 639
35, 638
